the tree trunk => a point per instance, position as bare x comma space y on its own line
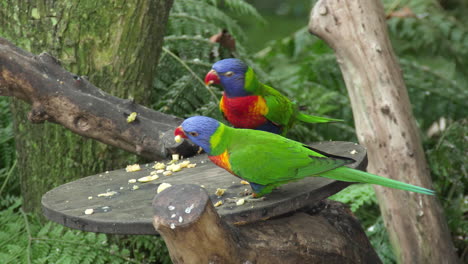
116, 44
326, 232
357, 31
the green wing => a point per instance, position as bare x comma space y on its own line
265, 158
280, 108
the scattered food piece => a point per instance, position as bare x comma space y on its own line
353, 152
163, 186
90, 197
159, 171
148, 178
178, 139
167, 173
159, 166
107, 171
203, 186
132, 168
153, 172
135, 187
172, 226
192, 165
132, 181
219, 203
220, 192
184, 164
176, 167
89, 211
132, 117
121, 188
107, 194
171, 207
173, 215
244, 182
189, 209
181, 219
175, 157
240, 202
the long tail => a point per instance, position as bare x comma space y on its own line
352, 175
315, 119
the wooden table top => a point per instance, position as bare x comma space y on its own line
129, 210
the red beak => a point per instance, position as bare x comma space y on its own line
180, 132
212, 78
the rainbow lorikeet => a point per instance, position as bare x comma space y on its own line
248, 103
268, 160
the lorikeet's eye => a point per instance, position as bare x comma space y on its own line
229, 74
195, 134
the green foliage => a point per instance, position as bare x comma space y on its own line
356, 196
23, 239
379, 239
188, 55
7, 151
448, 159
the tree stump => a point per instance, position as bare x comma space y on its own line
326, 232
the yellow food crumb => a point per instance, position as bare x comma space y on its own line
90, 197
176, 167
175, 157
219, 203
132, 168
178, 139
132, 117
192, 165
148, 178
220, 192
107, 194
167, 173
240, 202
135, 187
244, 182
153, 172
184, 164
159, 166
89, 211
163, 186
132, 181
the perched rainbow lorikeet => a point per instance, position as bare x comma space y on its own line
268, 160
248, 103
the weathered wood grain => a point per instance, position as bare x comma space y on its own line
61, 97
129, 211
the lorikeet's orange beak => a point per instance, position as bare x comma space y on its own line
212, 78
180, 132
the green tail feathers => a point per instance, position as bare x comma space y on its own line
352, 175
315, 119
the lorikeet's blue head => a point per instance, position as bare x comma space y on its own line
230, 74
199, 130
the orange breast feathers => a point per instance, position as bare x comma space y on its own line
245, 111
222, 161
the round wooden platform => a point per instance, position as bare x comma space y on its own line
129, 210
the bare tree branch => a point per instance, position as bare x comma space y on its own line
61, 97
